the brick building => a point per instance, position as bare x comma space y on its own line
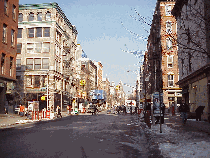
193, 29
46, 50
161, 65
8, 49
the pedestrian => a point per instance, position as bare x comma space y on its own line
136, 110
68, 109
95, 110
124, 110
131, 110
58, 110
198, 112
183, 109
21, 110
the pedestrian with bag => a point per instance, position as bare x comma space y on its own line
183, 109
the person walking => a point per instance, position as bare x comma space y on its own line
131, 110
58, 110
183, 109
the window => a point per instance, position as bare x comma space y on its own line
48, 16
45, 63
20, 17
170, 80
39, 32
6, 7
14, 12
31, 16
4, 38
12, 37
2, 63
28, 81
31, 32
169, 43
36, 81
19, 48
19, 33
168, 27
30, 47
38, 47
46, 47
39, 16
18, 64
46, 32
170, 61
168, 10
29, 64
37, 63
11, 65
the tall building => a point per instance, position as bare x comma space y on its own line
162, 57
8, 50
99, 74
46, 48
193, 31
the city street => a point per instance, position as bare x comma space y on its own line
78, 136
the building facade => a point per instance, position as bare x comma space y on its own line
193, 17
8, 50
46, 48
161, 65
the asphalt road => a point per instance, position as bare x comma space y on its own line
79, 136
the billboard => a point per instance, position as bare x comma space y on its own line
98, 94
156, 103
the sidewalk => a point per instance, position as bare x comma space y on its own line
10, 120
175, 122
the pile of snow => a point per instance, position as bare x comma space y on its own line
186, 150
174, 144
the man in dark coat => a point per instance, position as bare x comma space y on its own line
198, 112
183, 109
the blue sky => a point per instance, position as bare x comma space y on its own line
102, 35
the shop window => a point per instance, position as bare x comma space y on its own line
31, 16
29, 63
45, 63
39, 16
14, 12
12, 37
31, 32
18, 64
20, 17
37, 63
20, 33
